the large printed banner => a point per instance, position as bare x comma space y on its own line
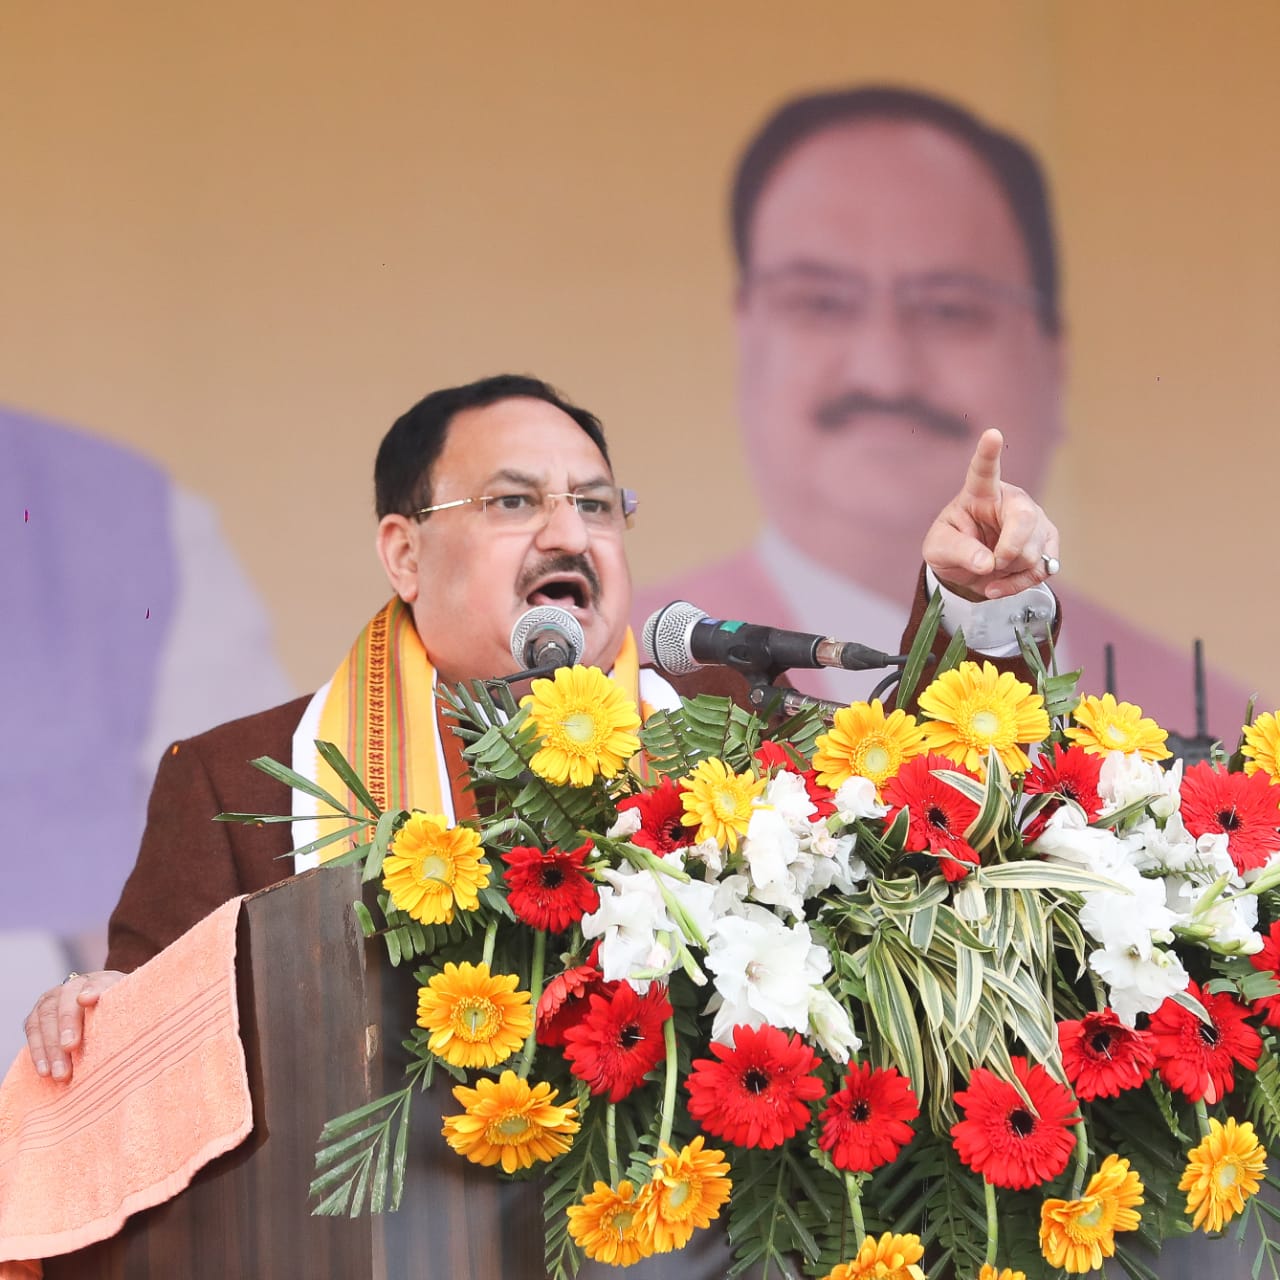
796, 260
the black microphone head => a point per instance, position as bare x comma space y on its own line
666, 637
542, 626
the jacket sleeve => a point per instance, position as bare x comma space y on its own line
185, 868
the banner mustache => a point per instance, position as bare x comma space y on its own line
844, 411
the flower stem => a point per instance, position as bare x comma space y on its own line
1082, 1160
535, 994
611, 1143
1202, 1118
669, 1092
490, 938
993, 1222
853, 1189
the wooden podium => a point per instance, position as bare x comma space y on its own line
312, 999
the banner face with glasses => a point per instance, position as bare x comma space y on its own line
240, 243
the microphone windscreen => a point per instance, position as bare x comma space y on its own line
544, 618
666, 637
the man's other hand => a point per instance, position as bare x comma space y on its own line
992, 538
56, 1025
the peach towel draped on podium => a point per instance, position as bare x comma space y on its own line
158, 1090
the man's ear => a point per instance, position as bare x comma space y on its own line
397, 542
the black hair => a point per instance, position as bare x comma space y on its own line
402, 472
1011, 163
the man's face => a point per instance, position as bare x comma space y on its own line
471, 573
885, 320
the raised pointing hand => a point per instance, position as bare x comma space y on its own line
990, 540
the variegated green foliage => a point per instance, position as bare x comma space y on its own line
943, 991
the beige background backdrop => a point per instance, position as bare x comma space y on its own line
244, 237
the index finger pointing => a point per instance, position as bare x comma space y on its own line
982, 480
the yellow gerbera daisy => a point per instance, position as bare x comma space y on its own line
1222, 1173
432, 867
889, 1258
718, 802
865, 743
974, 708
511, 1123
1262, 746
988, 1272
609, 1226
586, 723
475, 1019
1077, 1235
686, 1193
1103, 725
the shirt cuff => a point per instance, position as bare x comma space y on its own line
990, 626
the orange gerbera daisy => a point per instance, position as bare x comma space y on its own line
687, 1191
891, 1257
610, 1226
476, 1019
511, 1123
433, 868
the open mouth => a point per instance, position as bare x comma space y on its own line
568, 592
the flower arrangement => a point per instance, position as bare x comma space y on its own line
985, 987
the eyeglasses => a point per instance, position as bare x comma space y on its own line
601, 510
935, 306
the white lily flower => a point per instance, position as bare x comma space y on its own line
631, 914
627, 823
856, 798
1068, 837
768, 850
1139, 983
763, 972
830, 1026
1129, 920
787, 794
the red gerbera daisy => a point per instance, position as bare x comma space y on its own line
1199, 1058
770, 755
867, 1122
939, 814
1268, 961
755, 1094
619, 1041
1071, 772
565, 1000
549, 890
1244, 805
1103, 1057
661, 818
1008, 1143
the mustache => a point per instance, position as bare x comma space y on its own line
566, 562
844, 411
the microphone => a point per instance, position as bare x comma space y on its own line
547, 637
681, 638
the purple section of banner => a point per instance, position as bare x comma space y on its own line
87, 589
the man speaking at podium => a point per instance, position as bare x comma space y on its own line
492, 498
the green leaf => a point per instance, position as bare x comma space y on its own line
296, 782
921, 647
386, 828
338, 763
889, 1007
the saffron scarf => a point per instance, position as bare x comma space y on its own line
379, 710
